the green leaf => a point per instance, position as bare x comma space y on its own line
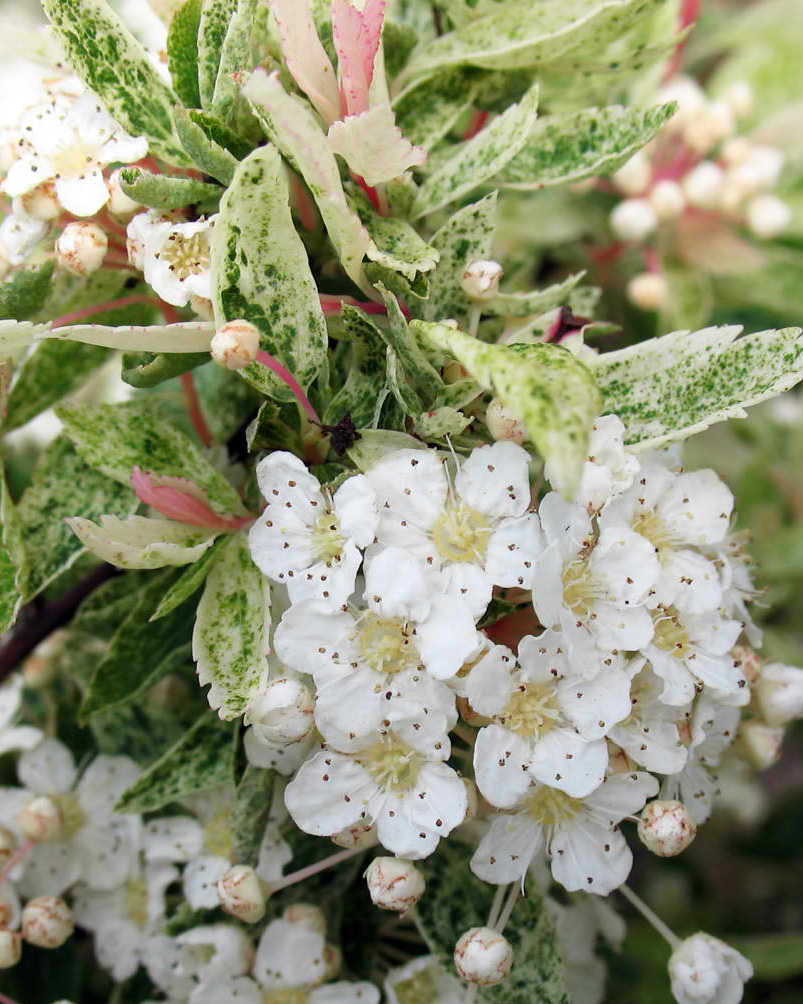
398, 336
775, 957
250, 814
63, 485
12, 559
440, 422
117, 438
374, 444
141, 652
189, 582
221, 134
209, 156
427, 112
230, 640
269, 431
51, 372
396, 244
215, 18
366, 373
480, 158
261, 273
669, 388
539, 301
113, 64
546, 388
456, 900
24, 293
585, 144
142, 542
202, 759
162, 191
144, 369
236, 56
182, 52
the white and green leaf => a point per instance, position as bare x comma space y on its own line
163, 191
531, 304
141, 542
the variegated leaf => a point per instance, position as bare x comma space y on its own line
141, 542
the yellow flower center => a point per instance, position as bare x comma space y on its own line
327, 540
418, 989
578, 588
219, 836
136, 901
654, 529
392, 764
670, 635
550, 806
73, 817
76, 160
532, 711
461, 534
290, 995
186, 256
387, 643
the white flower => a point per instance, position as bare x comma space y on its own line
609, 470
14, 737
306, 538
733, 563
650, 735
398, 779
72, 146
19, 235
704, 970
578, 927
580, 836
594, 590
205, 955
398, 650
175, 256
678, 513
473, 534
423, 979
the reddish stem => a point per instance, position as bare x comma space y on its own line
689, 13
334, 305
285, 374
194, 409
19, 855
101, 308
371, 193
478, 121
304, 204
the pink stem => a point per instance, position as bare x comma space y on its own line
304, 204
334, 305
477, 123
689, 13
651, 259
372, 194
194, 409
285, 374
18, 855
101, 308
310, 870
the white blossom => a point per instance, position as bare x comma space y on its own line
19, 235
202, 956
704, 970
175, 257
609, 469
12, 736
650, 734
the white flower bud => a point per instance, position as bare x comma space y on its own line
81, 248
736, 149
306, 916
689, 97
10, 949
709, 126
41, 203
240, 893
633, 220
759, 170
740, 98
704, 970
648, 290
768, 216
667, 199
480, 279
41, 819
359, 835
633, 177
394, 884
8, 845
483, 956
283, 714
759, 743
702, 186
119, 203
9, 907
666, 828
503, 424
778, 692
235, 345
47, 922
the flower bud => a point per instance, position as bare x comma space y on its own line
666, 828
47, 922
736, 149
702, 186
8, 845
119, 203
10, 949
759, 743
768, 216
710, 126
359, 835
740, 98
394, 884
633, 220
480, 279
633, 177
283, 714
41, 203
240, 894
455, 371
483, 956
648, 290
503, 424
704, 970
81, 248
689, 97
667, 199
306, 916
235, 345
778, 692
41, 819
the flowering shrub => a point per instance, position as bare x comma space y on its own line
386, 539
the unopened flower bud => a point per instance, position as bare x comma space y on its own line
359, 835
455, 371
778, 692
482, 955
740, 98
41, 203
702, 186
47, 922
10, 949
503, 424
666, 828
240, 893
235, 345
119, 203
9, 906
394, 884
736, 149
689, 97
704, 970
333, 961
667, 199
759, 743
41, 819
648, 290
480, 279
81, 248
768, 216
8, 845
633, 177
714, 123
634, 220
284, 713
306, 916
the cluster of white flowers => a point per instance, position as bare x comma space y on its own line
695, 178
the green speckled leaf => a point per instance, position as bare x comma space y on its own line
440, 422
374, 444
182, 52
189, 582
545, 386
12, 559
117, 438
202, 759
209, 156
537, 302
221, 134
427, 112
113, 64
230, 640
396, 244
669, 388
398, 336
480, 158
236, 56
366, 374
250, 815
593, 142
146, 369
216, 16
162, 191
24, 292
456, 900
260, 272
63, 485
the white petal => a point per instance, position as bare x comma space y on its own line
447, 637
47, 769
489, 684
688, 581
395, 585
329, 582
328, 794
50, 869
355, 505
26, 173
289, 956
620, 795
201, 877
241, 990
118, 948
505, 852
500, 765
274, 854
124, 149
345, 993
626, 562
494, 480
697, 506
678, 682
628, 630
655, 746
513, 550
349, 704
595, 705
174, 838
103, 783
566, 761
22, 737
469, 583
83, 196
410, 485
284, 759
309, 633
10, 699
564, 524
107, 854
590, 858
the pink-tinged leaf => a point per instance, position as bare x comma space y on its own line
182, 500
373, 145
356, 36
305, 56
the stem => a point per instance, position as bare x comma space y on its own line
281, 371
194, 409
496, 906
474, 321
477, 123
689, 13
310, 870
101, 308
666, 932
507, 909
18, 855
304, 204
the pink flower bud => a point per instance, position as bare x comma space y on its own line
41, 819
